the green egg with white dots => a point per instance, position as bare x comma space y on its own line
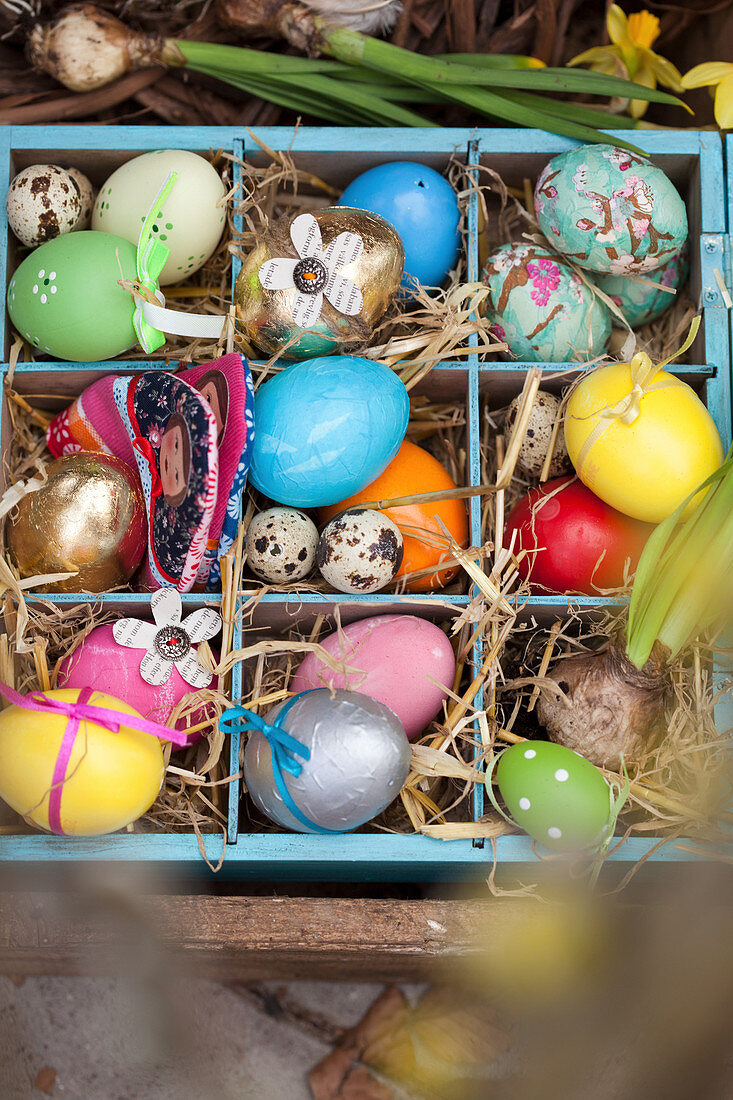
555, 795
189, 222
66, 298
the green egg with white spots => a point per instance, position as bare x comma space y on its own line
66, 298
189, 222
555, 795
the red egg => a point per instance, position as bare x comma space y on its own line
569, 527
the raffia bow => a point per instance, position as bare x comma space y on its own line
628, 409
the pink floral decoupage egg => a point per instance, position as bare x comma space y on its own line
541, 308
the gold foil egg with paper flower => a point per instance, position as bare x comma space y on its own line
319, 283
87, 518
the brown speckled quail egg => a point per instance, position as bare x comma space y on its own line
359, 551
43, 202
281, 545
86, 195
545, 411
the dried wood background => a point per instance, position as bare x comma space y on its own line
553, 30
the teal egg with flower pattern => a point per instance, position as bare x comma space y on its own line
610, 210
541, 308
642, 299
555, 795
66, 299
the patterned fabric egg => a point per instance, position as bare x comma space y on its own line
610, 210
541, 308
555, 795
641, 302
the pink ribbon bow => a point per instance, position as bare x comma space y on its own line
77, 712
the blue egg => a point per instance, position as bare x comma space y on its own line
423, 208
326, 428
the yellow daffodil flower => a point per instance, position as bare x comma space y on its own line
717, 75
631, 56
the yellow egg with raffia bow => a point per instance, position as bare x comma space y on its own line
84, 783
641, 448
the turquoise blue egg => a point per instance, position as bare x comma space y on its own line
639, 302
541, 308
423, 208
326, 428
555, 795
609, 210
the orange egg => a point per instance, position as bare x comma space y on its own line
415, 471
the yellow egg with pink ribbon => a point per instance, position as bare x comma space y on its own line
78, 762
640, 438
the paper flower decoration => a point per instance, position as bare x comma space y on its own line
316, 272
169, 641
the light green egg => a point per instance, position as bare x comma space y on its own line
555, 795
610, 210
65, 297
639, 298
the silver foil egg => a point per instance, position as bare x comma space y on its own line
359, 761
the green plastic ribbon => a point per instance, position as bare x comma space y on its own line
151, 257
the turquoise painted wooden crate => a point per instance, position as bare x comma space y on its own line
695, 163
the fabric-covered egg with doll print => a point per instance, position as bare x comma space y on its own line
642, 299
541, 308
610, 210
66, 298
555, 795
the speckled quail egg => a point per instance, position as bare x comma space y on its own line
359, 551
281, 545
545, 412
86, 194
43, 202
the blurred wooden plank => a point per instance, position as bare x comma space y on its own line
243, 938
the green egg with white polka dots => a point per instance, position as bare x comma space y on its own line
555, 795
66, 300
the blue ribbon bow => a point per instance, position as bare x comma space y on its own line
286, 752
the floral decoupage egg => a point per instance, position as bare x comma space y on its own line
318, 282
65, 297
541, 308
555, 795
610, 210
639, 299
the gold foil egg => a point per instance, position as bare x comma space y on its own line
88, 517
320, 280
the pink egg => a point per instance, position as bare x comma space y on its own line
397, 657
101, 663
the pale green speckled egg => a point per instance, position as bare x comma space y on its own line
542, 308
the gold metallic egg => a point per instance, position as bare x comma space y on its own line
266, 316
89, 516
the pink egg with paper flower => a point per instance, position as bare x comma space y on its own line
150, 666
